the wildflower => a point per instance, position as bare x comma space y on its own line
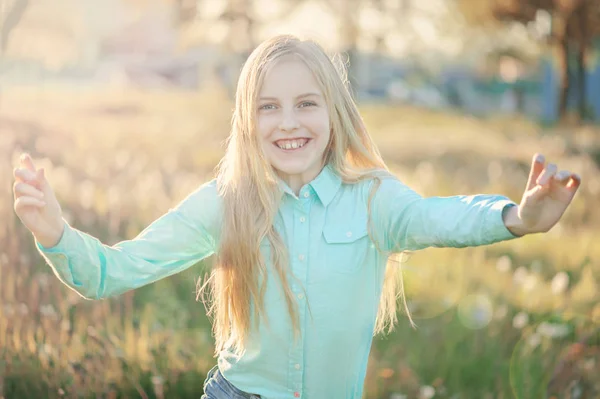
560, 283
520, 320
503, 264
426, 392
48, 311
534, 340
530, 282
520, 275
553, 330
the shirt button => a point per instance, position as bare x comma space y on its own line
349, 234
297, 366
296, 394
302, 219
301, 257
306, 194
300, 295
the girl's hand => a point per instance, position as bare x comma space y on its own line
35, 203
547, 196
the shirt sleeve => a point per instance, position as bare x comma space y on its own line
180, 238
404, 220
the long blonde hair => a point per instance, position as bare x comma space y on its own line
248, 186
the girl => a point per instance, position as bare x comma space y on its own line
302, 215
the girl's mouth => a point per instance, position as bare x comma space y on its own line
292, 145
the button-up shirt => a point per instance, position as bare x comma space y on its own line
339, 272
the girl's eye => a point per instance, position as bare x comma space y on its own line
307, 104
267, 106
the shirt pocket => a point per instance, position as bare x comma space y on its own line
346, 245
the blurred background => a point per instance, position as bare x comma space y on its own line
127, 104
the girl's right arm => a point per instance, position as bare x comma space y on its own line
177, 240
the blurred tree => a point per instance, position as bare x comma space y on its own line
187, 10
10, 15
243, 21
349, 13
244, 18
573, 24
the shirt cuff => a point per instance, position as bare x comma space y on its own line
498, 230
62, 244
58, 256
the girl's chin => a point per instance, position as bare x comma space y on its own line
291, 169
294, 168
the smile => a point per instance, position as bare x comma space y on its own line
291, 145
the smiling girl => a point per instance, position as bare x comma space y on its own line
302, 216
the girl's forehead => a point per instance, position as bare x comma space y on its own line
289, 74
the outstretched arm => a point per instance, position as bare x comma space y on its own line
177, 240
404, 220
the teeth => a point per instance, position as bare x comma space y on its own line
292, 144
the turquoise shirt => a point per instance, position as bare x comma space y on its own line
333, 258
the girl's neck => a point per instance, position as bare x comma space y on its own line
296, 181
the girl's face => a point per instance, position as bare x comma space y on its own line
293, 122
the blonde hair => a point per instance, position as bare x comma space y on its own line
248, 185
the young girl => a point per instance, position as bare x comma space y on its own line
302, 216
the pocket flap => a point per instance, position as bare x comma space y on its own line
345, 233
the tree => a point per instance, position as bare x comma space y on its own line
186, 10
574, 25
10, 16
348, 13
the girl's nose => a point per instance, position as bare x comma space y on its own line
289, 122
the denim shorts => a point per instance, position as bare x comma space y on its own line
217, 387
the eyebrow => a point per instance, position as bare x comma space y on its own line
297, 98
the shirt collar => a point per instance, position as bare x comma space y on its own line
325, 185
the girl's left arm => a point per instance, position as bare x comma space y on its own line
404, 220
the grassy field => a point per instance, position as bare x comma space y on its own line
519, 319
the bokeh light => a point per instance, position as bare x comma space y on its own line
475, 311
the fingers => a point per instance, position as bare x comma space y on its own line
27, 162
23, 202
567, 179
543, 176
547, 174
537, 167
537, 193
574, 182
28, 177
562, 176
24, 189
24, 175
